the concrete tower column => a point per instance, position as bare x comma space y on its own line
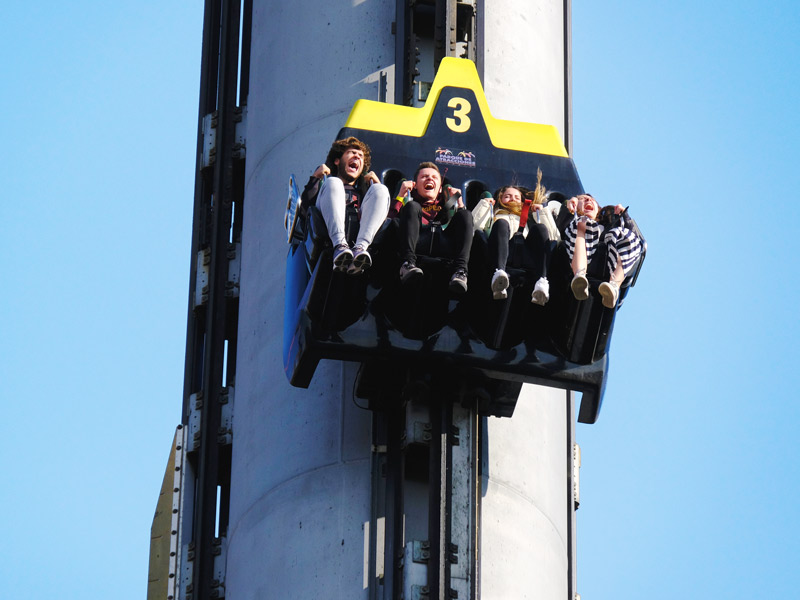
300, 492
526, 513
301, 469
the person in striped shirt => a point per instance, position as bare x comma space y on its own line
582, 236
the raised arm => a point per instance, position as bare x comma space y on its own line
371, 178
322, 171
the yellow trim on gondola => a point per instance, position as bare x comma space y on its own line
459, 73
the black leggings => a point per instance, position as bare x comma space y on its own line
454, 242
537, 244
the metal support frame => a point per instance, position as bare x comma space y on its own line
427, 416
446, 27
439, 497
425, 492
464, 503
213, 299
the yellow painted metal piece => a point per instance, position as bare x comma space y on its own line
161, 533
459, 73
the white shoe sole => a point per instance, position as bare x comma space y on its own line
500, 285
609, 294
360, 262
343, 261
580, 288
541, 292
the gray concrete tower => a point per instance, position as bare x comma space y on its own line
305, 516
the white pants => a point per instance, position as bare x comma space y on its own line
374, 208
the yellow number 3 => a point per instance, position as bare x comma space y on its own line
461, 122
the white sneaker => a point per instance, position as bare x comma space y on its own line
580, 286
499, 284
610, 293
541, 292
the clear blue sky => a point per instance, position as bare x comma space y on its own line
685, 111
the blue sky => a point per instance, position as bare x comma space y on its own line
685, 111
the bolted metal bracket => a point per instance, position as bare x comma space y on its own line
209, 139
234, 255
225, 431
455, 438
202, 277
240, 134
219, 548
194, 421
421, 551
452, 554
576, 475
420, 592
422, 433
187, 573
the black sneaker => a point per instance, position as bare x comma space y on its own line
458, 282
409, 272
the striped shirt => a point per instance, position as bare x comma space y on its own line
623, 243
593, 232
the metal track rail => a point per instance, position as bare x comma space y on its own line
425, 492
210, 366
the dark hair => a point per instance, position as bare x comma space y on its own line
338, 148
608, 217
429, 165
426, 165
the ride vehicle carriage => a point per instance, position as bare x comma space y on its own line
403, 334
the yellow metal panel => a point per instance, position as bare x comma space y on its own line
459, 73
161, 531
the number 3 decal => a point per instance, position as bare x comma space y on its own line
461, 122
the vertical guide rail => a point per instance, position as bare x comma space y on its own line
210, 364
437, 473
446, 555
405, 66
395, 510
568, 75
462, 552
573, 462
452, 461
445, 30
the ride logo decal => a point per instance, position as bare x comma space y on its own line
456, 157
